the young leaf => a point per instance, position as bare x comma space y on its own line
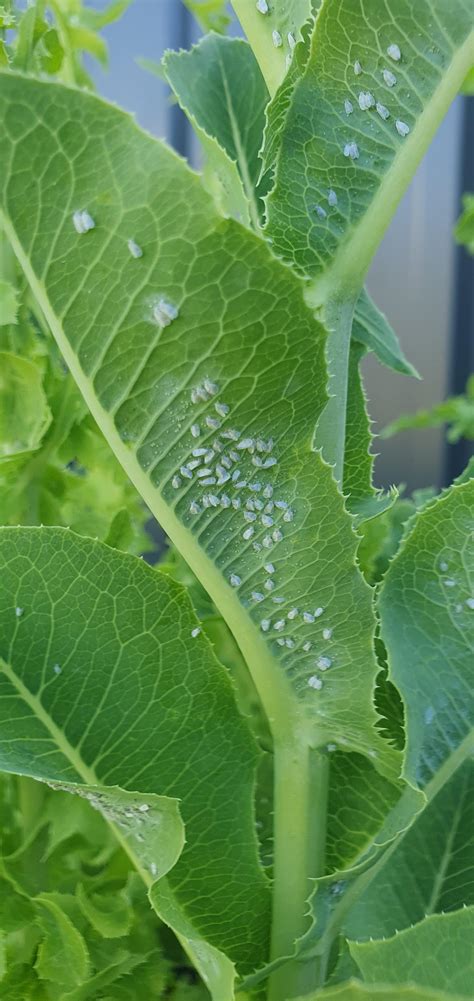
227, 117
359, 799
464, 231
240, 327
435, 953
109, 913
431, 869
62, 954
210, 14
147, 708
398, 85
371, 328
427, 624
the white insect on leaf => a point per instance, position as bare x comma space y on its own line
277, 39
366, 100
83, 221
351, 150
394, 52
389, 78
348, 106
382, 111
164, 312
135, 249
357, 68
402, 128
315, 682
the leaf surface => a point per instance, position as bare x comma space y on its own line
358, 154
431, 869
436, 953
426, 608
371, 328
273, 29
62, 955
242, 329
103, 685
24, 412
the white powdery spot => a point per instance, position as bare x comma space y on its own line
262, 6
470, 602
195, 632
18, 612
235, 580
332, 198
348, 107
357, 68
315, 682
277, 39
320, 212
57, 669
323, 663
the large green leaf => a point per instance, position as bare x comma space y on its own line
241, 324
104, 685
426, 608
436, 953
431, 869
365, 159
227, 117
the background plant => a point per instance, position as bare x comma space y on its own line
226, 312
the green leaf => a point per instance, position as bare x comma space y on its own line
8, 303
147, 708
62, 955
24, 412
109, 913
334, 243
436, 953
464, 231
16, 908
355, 991
431, 869
427, 625
371, 328
274, 52
359, 799
241, 322
22, 984
227, 117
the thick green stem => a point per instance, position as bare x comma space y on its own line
331, 429
300, 801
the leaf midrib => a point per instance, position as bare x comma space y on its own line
241, 157
273, 687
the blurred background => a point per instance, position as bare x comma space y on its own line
420, 278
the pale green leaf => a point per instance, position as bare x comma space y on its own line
243, 324
98, 19
359, 799
24, 412
371, 328
227, 117
272, 29
431, 869
109, 913
104, 685
62, 954
356, 991
8, 303
334, 243
436, 953
427, 625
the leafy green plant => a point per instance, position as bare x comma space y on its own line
277, 751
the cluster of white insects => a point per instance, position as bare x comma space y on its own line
367, 101
232, 473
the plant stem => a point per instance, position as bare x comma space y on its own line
331, 429
301, 779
